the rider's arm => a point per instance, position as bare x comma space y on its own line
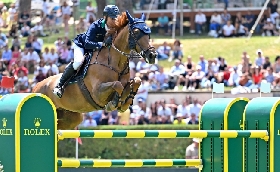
89, 40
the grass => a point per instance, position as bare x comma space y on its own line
230, 48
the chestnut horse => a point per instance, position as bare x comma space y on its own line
107, 79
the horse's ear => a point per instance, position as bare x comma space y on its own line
143, 17
130, 18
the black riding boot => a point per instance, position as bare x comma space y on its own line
67, 74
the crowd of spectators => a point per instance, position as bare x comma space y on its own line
158, 112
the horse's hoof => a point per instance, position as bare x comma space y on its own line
110, 107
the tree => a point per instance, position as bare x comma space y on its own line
125, 5
100, 7
24, 5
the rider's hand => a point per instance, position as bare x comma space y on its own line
108, 41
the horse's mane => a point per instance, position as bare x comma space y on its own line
120, 22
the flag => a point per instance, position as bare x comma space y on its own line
265, 88
218, 87
79, 139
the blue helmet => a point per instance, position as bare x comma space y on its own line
111, 11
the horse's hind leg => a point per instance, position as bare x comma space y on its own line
129, 92
68, 120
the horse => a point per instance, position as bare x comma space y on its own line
106, 84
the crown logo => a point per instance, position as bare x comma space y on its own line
37, 122
4, 120
1, 168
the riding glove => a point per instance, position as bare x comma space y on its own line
108, 41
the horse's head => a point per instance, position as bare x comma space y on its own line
137, 34
139, 38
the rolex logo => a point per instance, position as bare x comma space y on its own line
4, 120
37, 122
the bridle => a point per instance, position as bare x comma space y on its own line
132, 40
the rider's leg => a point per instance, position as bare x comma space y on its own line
70, 70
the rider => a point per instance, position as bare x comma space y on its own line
91, 40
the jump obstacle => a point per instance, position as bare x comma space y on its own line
237, 135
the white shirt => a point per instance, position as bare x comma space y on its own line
23, 80
195, 109
216, 19
12, 12
144, 87
164, 112
25, 57
53, 57
37, 27
45, 8
53, 68
34, 56
184, 110
66, 10
46, 56
200, 18
177, 70
37, 45
228, 29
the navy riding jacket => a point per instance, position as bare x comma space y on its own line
92, 39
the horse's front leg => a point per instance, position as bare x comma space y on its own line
110, 92
129, 93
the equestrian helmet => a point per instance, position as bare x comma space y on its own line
111, 11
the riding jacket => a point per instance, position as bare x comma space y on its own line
92, 39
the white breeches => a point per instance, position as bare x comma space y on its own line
273, 16
78, 56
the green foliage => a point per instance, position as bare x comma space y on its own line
117, 148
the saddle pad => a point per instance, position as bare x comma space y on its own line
82, 71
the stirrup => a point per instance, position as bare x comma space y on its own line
58, 91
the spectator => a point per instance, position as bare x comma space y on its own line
203, 64
179, 73
6, 55
260, 58
200, 20
22, 82
81, 26
269, 28
142, 65
164, 113
196, 78
38, 29
24, 20
234, 77
90, 12
249, 20
225, 17
25, 30
266, 63
273, 10
179, 120
143, 89
66, 13
163, 22
161, 79
215, 23
163, 51
184, 109
177, 50
240, 30
228, 30
192, 150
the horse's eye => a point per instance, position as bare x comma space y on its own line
136, 31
